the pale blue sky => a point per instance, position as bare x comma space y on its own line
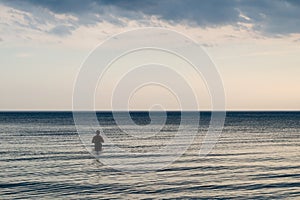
255, 45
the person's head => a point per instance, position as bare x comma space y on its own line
97, 132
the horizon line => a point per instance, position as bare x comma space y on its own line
226, 110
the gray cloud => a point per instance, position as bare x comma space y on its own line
62, 30
271, 17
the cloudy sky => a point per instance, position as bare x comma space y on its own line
255, 45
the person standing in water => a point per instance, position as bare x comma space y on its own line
98, 140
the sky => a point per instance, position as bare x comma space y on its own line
255, 46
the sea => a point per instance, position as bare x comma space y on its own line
43, 156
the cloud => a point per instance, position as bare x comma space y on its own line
207, 45
297, 40
270, 17
273, 17
61, 30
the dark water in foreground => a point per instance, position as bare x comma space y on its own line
257, 157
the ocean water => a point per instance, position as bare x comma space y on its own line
257, 157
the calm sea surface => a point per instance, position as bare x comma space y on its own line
257, 157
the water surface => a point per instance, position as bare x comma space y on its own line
257, 157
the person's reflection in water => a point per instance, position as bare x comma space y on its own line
98, 140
